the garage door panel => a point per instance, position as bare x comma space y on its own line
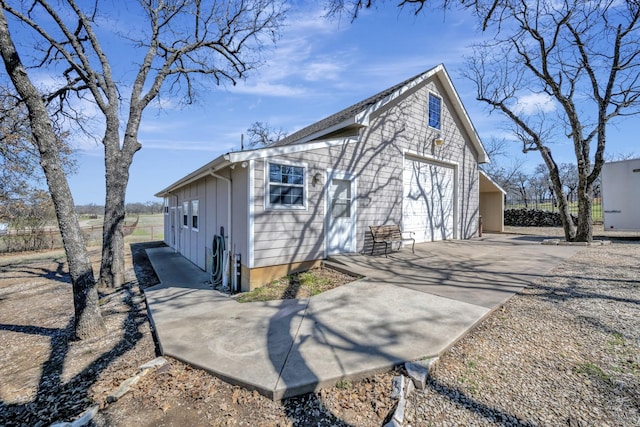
428, 202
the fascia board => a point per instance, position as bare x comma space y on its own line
363, 117
199, 173
484, 174
462, 112
241, 156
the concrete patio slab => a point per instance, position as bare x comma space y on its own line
406, 308
244, 344
365, 327
485, 271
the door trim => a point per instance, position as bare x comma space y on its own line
173, 228
179, 227
329, 175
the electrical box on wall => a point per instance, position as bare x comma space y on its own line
621, 195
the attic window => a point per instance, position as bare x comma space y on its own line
434, 111
286, 186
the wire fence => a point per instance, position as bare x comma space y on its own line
549, 204
28, 240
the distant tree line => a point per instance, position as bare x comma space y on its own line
532, 188
34, 211
135, 208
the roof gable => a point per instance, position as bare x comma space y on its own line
358, 114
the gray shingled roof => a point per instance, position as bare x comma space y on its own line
340, 116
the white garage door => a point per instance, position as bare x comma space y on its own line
428, 203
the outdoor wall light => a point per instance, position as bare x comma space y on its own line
316, 178
438, 140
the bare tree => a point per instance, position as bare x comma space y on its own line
261, 134
581, 58
584, 59
522, 186
569, 178
20, 173
178, 41
88, 321
351, 8
499, 169
542, 184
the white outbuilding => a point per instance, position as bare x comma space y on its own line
621, 195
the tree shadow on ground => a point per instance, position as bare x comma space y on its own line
489, 413
306, 409
56, 399
29, 269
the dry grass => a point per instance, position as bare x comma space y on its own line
298, 285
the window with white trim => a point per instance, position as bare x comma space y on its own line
166, 206
286, 186
194, 214
435, 111
185, 214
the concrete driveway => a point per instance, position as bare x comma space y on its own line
407, 307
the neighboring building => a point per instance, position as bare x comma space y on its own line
621, 195
491, 204
408, 155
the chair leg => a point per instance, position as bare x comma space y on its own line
373, 247
385, 249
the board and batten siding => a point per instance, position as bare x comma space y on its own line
239, 210
195, 245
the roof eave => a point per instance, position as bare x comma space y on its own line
214, 165
483, 157
495, 184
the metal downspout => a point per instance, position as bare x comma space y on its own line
228, 181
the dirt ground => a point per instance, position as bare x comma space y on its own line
46, 377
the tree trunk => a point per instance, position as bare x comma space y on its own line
584, 232
565, 215
561, 197
88, 321
112, 266
117, 163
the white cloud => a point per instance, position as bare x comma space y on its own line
325, 70
534, 103
262, 87
299, 58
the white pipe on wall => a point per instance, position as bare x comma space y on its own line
230, 242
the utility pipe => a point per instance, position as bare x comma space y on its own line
228, 181
174, 236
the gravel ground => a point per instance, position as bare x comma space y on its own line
565, 352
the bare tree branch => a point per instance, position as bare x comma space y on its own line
183, 40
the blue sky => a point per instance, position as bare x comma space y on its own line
319, 67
